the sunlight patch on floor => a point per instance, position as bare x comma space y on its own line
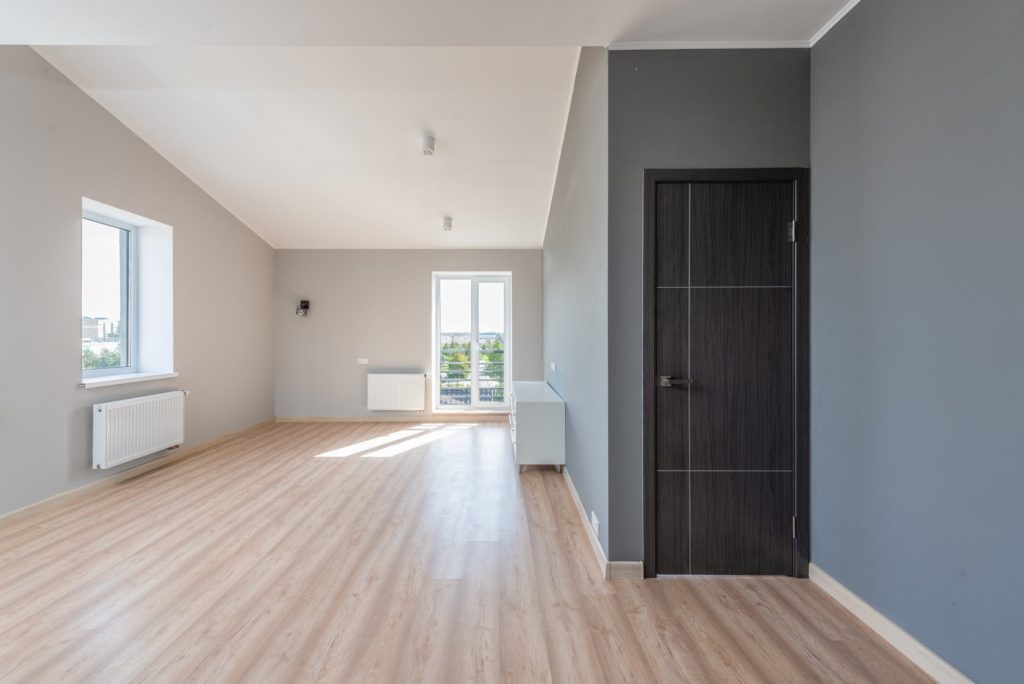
367, 444
421, 440
400, 441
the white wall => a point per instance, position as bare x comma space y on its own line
377, 304
59, 146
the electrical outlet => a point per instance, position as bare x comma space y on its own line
595, 524
554, 368
362, 361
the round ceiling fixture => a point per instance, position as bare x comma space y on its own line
428, 145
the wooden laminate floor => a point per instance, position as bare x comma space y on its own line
382, 552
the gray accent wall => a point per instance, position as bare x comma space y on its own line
377, 304
576, 286
681, 109
917, 320
59, 146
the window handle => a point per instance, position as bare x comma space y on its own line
668, 381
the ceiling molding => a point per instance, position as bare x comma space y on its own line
740, 44
712, 45
833, 21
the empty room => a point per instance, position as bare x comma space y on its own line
551, 341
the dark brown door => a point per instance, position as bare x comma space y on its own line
723, 373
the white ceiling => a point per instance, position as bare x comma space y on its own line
410, 22
306, 121
321, 147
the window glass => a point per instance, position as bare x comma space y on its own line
491, 336
105, 322
456, 311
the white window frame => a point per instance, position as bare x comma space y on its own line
129, 298
475, 278
150, 283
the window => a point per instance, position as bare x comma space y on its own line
127, 297
472, 341
108, 294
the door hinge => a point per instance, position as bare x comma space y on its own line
794, 527
791, 231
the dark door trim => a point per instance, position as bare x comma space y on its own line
801, 467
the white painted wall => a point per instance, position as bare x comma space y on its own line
58, 146
377, 304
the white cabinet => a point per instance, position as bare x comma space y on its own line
537, 418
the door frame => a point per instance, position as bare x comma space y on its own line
800, 177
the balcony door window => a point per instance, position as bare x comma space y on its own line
471, 343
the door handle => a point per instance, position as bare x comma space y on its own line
668, 381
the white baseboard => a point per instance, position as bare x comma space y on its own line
914, 650
609, 569
595, 544
160, 462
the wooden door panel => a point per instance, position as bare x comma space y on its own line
741, 523
672, 403
673, 527
672, 201
742, 368
738, 234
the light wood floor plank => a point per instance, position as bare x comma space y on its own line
375, 552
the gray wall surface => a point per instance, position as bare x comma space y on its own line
917, 321
683, 109
377, 304
58, 146
576, 285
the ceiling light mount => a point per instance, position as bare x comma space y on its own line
428, 145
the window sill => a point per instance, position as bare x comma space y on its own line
470, 412
108, 380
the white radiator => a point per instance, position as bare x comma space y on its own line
395, 391
132, 428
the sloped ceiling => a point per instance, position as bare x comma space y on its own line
322, 147
306, 120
